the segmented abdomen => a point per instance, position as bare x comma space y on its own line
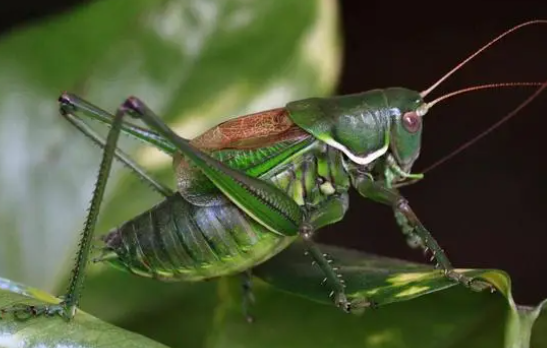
197, 233
180, 241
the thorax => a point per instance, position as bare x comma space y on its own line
312, 176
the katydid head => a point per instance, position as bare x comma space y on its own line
407, 108
366, 126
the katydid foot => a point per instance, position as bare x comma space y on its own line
474, 284
23, 312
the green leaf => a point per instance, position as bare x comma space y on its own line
450, 314
450, 318
369, 276
84, 331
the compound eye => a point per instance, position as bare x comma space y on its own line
412, 122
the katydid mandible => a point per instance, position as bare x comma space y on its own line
250, 186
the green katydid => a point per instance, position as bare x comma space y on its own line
250, 186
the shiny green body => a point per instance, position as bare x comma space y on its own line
198, 233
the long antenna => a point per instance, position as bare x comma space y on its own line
497, 85
489, 129
460, 65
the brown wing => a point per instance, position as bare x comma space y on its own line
243, 133
250, 131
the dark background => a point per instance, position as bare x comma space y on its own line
486, 206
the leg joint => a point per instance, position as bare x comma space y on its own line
306, 231
134, 107
401, 204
